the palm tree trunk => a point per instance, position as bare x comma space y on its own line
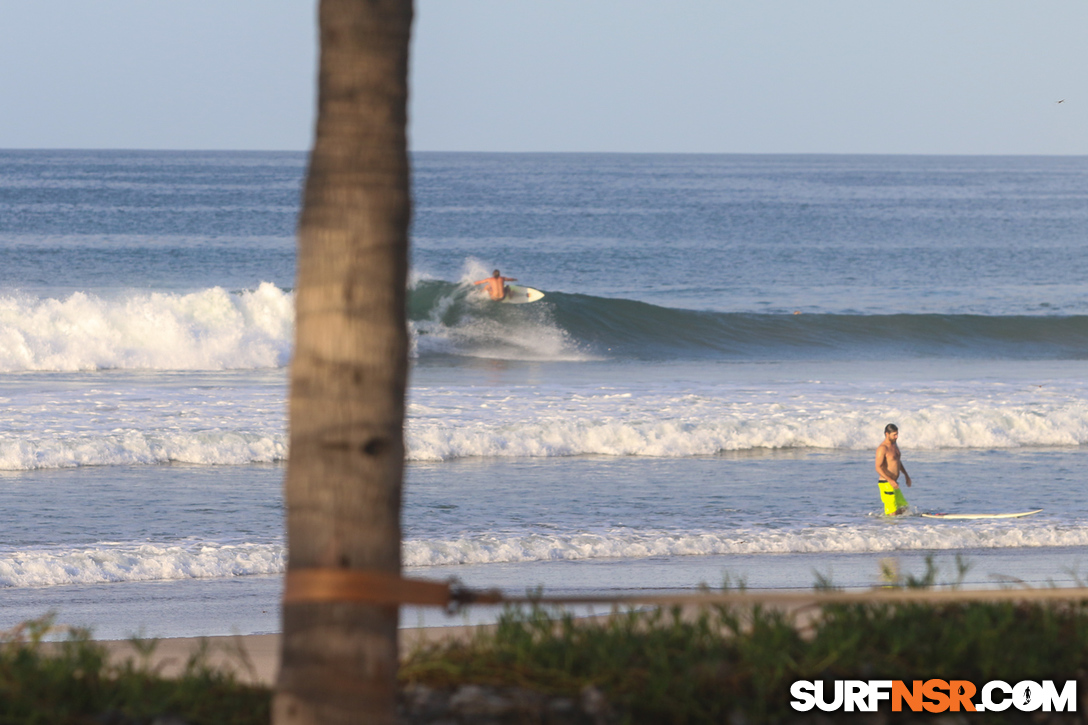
348, 375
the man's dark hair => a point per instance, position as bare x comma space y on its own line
891, 428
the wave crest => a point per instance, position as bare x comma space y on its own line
207, 330
450, 318
131, 562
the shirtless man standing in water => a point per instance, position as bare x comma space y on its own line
889, 465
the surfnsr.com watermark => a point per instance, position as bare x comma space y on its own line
934, 695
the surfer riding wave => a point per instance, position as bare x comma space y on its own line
496, 285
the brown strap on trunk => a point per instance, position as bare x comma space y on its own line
376, 587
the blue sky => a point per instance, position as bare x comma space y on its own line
741, 76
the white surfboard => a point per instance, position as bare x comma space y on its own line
519, 295
981, 516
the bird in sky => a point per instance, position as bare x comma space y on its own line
1061, 101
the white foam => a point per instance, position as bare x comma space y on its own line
535, 340
207, 330
512, 423
136, 448
500, 549
532, 334
221, 419
473, 269
142, 562
138, 562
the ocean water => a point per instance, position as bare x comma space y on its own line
697, 399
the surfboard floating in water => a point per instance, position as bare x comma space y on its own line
519, 295
981, 516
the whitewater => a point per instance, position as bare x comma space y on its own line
111, 562
698, 396
206, 330
673, 404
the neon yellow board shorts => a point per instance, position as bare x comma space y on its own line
892, 497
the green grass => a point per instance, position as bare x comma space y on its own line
73, 682
658, 666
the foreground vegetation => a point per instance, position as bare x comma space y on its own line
713, 665
72, 683
661, 667
718, 664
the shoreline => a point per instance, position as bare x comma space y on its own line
255, 658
